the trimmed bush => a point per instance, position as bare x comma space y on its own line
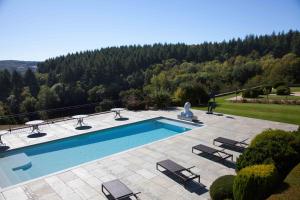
296, 142
255, 182
222, 188
250, 93
271, 134
283, 90
272, 146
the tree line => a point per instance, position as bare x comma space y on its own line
152, 75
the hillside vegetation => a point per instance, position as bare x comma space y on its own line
156, 75
20, 66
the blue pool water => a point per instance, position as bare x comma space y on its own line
31, 162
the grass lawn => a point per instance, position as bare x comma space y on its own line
291, 186
280, 97
273, 112
295, 89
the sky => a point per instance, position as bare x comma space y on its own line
39, 29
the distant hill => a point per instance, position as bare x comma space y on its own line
20, 66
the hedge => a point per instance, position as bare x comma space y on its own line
255, 182
283, 90
279, 83
222, 187
251, 93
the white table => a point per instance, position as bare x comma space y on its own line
79, 119
117, 111
1, 134
35, 125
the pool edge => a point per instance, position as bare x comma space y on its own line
89, 162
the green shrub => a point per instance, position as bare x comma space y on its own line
271, 134
133, 99
260, 91
267, 89
134, 103
160, 99
283, 90
105, 105
272, 146
255, 182
193, 93
222, 187
279, 83
296, 142
250, 93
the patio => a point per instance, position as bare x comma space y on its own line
136, 167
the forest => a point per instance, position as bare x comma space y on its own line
158, 75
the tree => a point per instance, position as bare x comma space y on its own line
96, 93
133, 99
3, 112
267, 89
59, 89
13, 104
160, 99
135, 80
158, 70
47, 98
31, 81
74, 95
17, 84
244, 72
161, 82
193, 93
5, 85
28, 105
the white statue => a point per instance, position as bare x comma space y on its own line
187, 113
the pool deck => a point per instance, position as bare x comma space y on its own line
136, 167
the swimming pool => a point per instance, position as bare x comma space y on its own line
34, 161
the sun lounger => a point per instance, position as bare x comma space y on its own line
184, 174
230, 142
212, 151
117, 190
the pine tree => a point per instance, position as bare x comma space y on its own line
31, 81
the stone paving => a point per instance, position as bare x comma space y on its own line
136, 167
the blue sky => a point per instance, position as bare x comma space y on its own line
39, 29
